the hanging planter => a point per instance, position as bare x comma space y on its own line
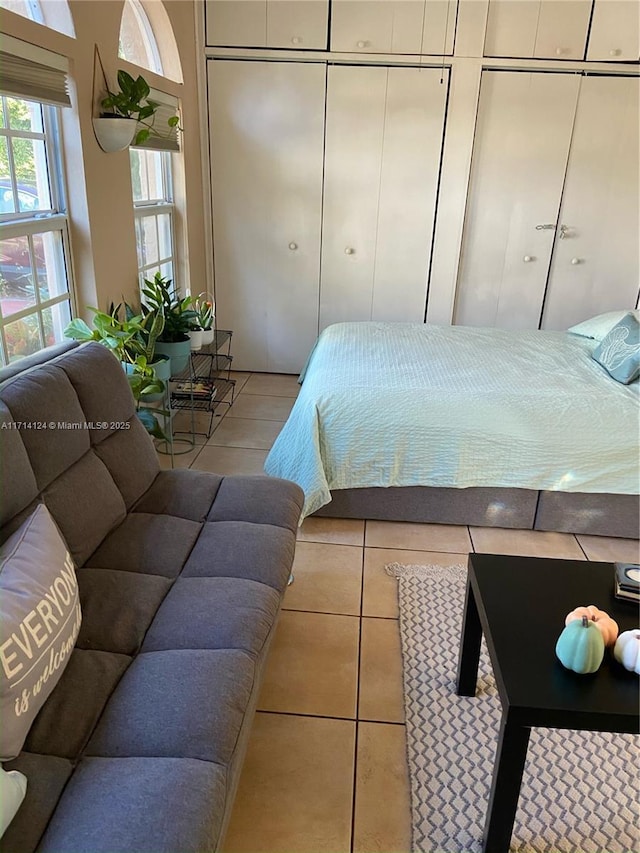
113, 133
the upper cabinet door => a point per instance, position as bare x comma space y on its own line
615, 31
297, 24
394, 26
383, 141
596, 260
523, 134
540, 29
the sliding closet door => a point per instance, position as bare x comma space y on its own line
596, 262
523, 135
383, 143
266, 136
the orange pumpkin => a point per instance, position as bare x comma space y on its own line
608, 626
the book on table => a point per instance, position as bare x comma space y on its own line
198, 390
627, 581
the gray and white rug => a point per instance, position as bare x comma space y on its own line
580, 790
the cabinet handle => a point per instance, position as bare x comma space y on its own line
349, 251
615, 52
296, 40
561, 51
293, 246
575, 261
362, 44
549, 227
564, 232
527, 259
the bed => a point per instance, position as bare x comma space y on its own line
463, 425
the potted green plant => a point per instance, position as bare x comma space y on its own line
132, 341
124, 111
204, 314
163, 299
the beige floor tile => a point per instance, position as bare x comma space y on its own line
525, 543
231, 460
328, 579
380, 592
246, 432
383, 806
608, 549
240, 378
337, 531
417, 537
273, 384
261, 407
381, 683
182, 426
180, 460
313, 666
296, 788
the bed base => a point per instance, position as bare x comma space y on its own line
525, 509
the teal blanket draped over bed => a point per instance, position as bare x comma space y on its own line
402, 404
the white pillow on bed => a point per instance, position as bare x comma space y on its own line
599, 327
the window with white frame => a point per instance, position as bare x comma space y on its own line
153, 211
35, 287
137, 42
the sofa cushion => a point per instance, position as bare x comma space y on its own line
131, 459
18, 487
182, 492
152, 544
46, 778
39, 623
260, 500
214, 613
117, 608
86, 505
65, 722
239, 549
187, 703
105, 400
46, 399
150, 805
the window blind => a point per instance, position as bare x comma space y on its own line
167, 140
31, 72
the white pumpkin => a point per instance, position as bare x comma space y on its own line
627, 650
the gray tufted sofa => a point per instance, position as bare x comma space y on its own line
181, 576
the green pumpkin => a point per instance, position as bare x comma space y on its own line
580, 647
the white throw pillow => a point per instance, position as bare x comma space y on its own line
39, 623
13, 787
599, 327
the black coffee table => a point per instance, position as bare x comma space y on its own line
520, 603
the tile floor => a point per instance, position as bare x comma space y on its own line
326, 770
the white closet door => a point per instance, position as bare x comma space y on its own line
615, 30
520, 154
394, 26
266, 135
300, 24
383, 142
596, 266
236, 23
537, 28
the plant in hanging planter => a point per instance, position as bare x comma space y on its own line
132, 103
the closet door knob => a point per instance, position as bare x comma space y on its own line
296, 40
560, 51
349, 251
362, 44
293, 246
615, 52
575, 261
527, 259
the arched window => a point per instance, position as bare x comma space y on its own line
52, 13
137, 42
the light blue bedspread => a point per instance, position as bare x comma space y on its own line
403, 404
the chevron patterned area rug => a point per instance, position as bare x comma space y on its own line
580, 790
